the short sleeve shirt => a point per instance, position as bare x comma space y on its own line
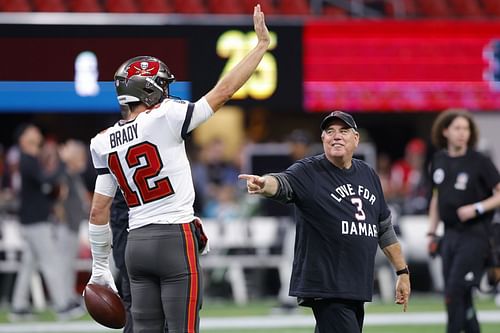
338, 213
460, 181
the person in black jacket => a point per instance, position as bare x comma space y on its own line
36, 199
466, 191
341, 217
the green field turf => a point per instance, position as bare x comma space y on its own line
418, 303
486, 328
224, 309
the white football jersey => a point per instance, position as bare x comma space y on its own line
148, 160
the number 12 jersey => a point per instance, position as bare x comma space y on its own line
146, 157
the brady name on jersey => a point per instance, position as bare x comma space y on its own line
147, 158
123, 135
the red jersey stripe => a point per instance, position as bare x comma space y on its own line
193, 271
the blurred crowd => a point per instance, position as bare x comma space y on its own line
219, 194
404, 181
330, 9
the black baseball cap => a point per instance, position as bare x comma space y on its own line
345, 117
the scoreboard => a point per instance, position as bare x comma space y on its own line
70, 68
311, 65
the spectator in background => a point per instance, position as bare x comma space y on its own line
223, 204
221, 182
75, 206
12, 180
38, 231
384, 166
2, 166
466, 192
51, 162
219, 170
3, 179
299, 143
408, 182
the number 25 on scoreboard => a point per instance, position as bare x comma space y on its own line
234, 45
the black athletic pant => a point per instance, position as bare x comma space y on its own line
464, 256
338, 315
126, 296
119, 225
165, 278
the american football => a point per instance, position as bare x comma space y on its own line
104, 306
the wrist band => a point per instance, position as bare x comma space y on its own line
478, 206
403, 271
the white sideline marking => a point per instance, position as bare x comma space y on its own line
272, 321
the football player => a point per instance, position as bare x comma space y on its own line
145, 156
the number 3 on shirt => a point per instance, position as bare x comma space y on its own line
149, 152
360, 214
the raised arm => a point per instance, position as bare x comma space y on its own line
236, 77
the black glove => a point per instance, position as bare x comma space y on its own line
434, 246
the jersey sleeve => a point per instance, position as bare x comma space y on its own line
489, 175
98, 159
184, 116
300, 180
201, 113
432, 169
436, 169
105, 185
385, 212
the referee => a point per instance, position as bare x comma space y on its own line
341, 217
466, 192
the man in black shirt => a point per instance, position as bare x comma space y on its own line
40, 250
341, 217
466, 193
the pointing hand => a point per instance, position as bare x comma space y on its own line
255, 184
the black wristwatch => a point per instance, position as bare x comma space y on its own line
403, 271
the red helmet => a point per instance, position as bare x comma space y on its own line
143, 79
